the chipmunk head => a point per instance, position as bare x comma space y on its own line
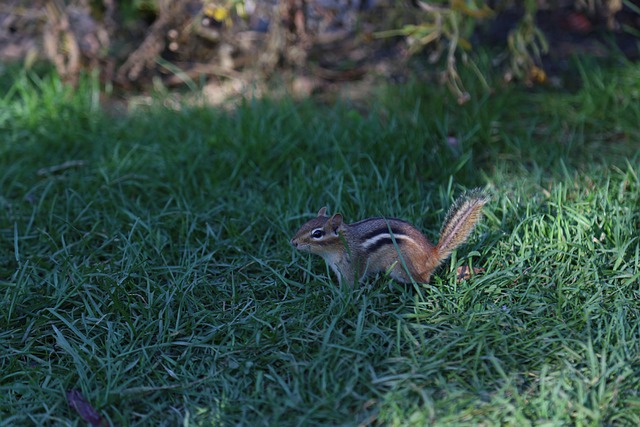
320, 234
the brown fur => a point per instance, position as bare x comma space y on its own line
375, 245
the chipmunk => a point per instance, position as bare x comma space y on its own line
355, 251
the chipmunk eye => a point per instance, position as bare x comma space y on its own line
317, 233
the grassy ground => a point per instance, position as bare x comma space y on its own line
144, 259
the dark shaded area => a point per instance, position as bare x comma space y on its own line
311, 45
572, 32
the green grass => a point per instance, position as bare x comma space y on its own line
154, 274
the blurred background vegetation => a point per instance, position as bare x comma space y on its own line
227, 46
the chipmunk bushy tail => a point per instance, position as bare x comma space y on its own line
460, 221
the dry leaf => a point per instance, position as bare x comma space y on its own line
84, 409
464, 273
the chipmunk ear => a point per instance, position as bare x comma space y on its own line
335, 222
323, 211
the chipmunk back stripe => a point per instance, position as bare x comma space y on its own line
395, 229
381, 239
380, 231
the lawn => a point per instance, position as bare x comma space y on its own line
145, 260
